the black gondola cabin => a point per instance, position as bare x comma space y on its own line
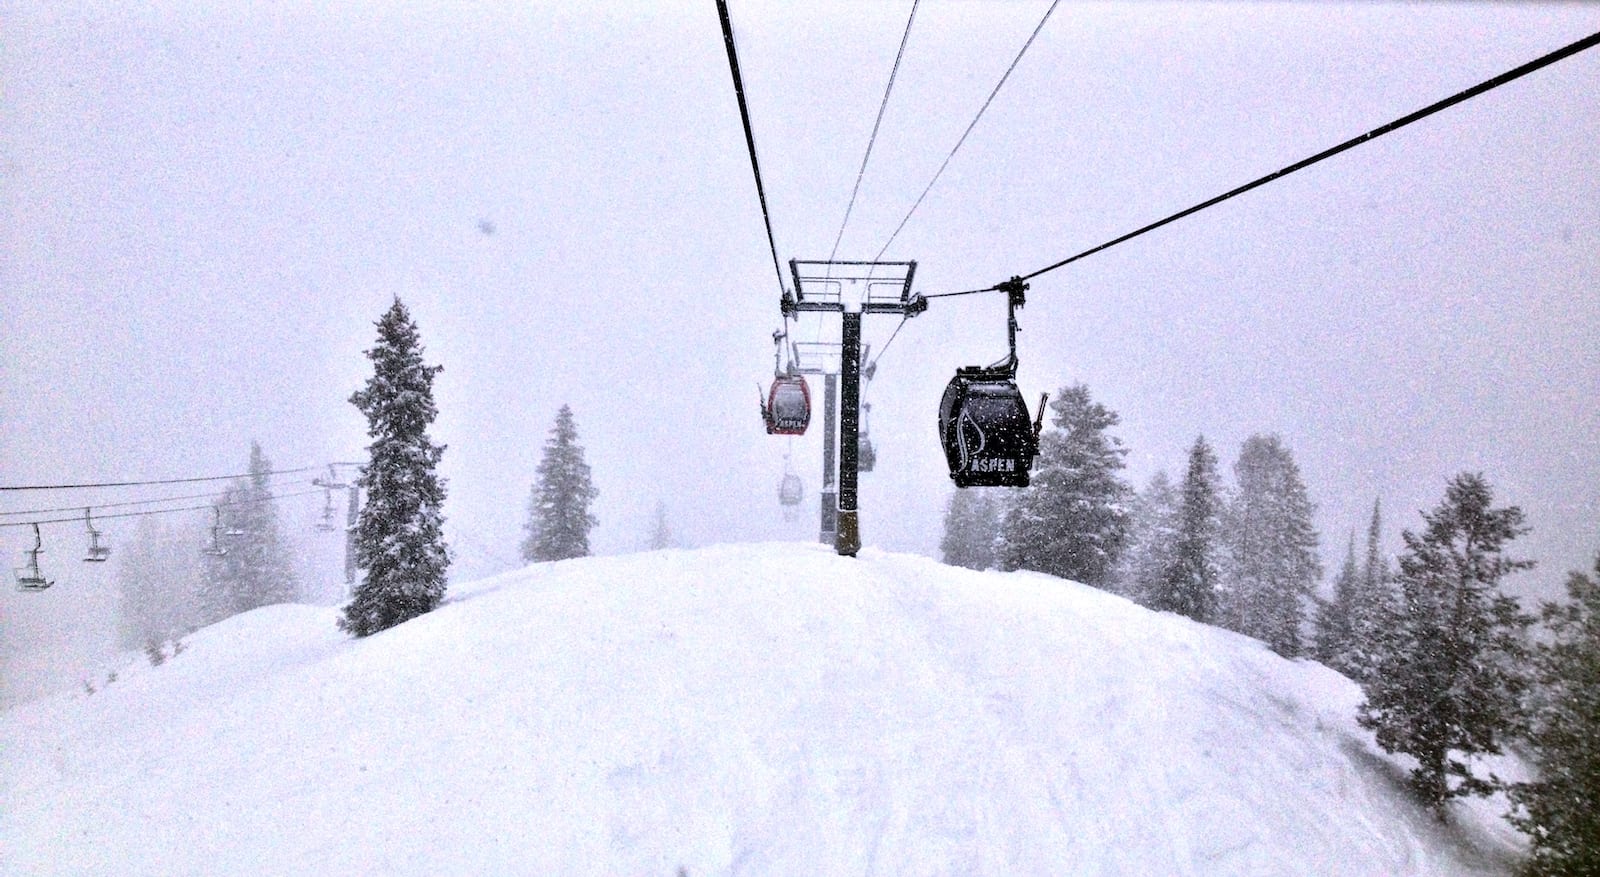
988, 438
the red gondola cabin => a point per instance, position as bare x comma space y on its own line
788, 407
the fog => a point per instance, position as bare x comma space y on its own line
205, 211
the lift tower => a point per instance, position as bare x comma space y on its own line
851, 290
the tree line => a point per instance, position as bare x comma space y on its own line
1451, 667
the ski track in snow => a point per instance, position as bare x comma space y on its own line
737, 710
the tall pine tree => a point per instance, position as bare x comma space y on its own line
1372, 618
253, 568
1188, 585
971, 524
1560, 810
1448, 680
558, 506
1152, 541
399, 536
660, 530
158, 576
1333, 645
1073, 520
1272, 568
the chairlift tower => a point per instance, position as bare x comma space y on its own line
822, 358
352, 512
852, 290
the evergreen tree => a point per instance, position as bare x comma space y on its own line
1379, 605
158, 576
1448, 680
1560, 811
558, 506
253, 568
399, 537
971, 525
1335, 618
1152, 540
1188, 585
660, 531
1272, 567
1073, 520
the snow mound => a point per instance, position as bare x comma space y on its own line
754, 709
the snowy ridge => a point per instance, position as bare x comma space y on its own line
752, 709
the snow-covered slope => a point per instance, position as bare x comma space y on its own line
767, 709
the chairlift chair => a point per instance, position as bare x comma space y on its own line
787, 410
325, 525
29, 578
866, 454
216, 548
96, 552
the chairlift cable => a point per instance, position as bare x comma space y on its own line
162, 481
163, 511
881, 351
883, 105
1588, 42
749, 136
972, 125
111, 505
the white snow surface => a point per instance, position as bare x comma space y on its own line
748, 709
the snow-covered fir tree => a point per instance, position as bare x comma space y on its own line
971, 525
1352, 629
660, 529
399, 537
1188, 585
1372, 618
1333, 643
1271, 568
249, 565
1449, 680
1560, 809
158, 577
1152, 540
1072, 520
558, 506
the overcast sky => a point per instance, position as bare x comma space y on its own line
207, 206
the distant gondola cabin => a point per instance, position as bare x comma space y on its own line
790, 490
788, 408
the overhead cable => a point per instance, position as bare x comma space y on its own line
883, 105
79, 519
749, 136
161, 481
110, 505
970, 126
1588, 42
